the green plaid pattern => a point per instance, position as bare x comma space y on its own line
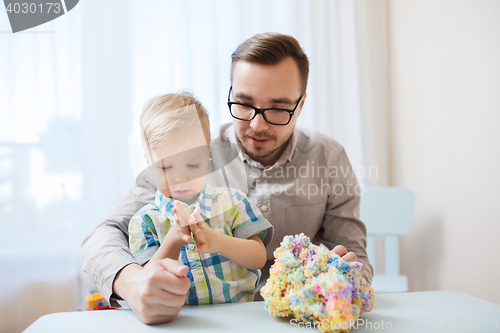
214, 278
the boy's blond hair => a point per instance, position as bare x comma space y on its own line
172, 115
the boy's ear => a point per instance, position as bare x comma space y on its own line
147, 159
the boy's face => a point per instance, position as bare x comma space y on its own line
180, 167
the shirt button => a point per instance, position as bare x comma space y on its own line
198, 279
191, 246
263, 174
263, 208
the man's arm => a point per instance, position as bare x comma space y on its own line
341, 225
155, 293
105, 252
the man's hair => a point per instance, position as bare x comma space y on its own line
173, 115
271, 48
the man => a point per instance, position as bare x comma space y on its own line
302, 181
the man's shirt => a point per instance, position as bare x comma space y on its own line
312, 188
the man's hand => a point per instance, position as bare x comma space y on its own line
156, 292
347, 256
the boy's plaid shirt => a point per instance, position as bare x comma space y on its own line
214, 278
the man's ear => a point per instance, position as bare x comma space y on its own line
147, 159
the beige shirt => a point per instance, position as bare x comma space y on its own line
312, 189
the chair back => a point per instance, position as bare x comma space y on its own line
387, 211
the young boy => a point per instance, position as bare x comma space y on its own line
218, 233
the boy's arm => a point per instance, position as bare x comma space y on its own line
166, 250
249, 253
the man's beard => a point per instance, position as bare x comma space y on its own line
256, 156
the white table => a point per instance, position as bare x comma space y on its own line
433, 311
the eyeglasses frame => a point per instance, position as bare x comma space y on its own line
261, 111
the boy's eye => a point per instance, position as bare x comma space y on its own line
193, 165
166, 167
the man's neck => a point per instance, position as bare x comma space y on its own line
272, 158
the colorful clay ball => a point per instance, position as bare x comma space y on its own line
316, 286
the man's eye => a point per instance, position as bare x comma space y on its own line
194, 166
166, 167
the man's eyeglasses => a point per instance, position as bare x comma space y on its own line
274, 116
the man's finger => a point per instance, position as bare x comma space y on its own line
351, 257
165, 298
340, 250
174, 267
157, 314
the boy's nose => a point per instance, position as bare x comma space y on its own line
180, 179
259, 123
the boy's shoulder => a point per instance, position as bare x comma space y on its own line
151, 209
227, 197
217, 192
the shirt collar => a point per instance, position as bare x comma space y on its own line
286, 156
166, 204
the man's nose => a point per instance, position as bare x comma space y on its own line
259, 123
180, 179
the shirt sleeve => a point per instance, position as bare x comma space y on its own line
341, 225
143, 234
249, 221
106, 251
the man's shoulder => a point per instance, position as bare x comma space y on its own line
313, 142
224, 132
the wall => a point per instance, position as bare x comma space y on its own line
445, 140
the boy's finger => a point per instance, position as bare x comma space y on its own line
187, 238
181, 223
180, 211
190, 220
199, 237
186, 230
197, 216
193, 227
176, 223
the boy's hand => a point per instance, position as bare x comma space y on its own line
207, 239
179, 234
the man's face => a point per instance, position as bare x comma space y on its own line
266, 86
180, 168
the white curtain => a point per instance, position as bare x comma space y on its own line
71, 91
188, 44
